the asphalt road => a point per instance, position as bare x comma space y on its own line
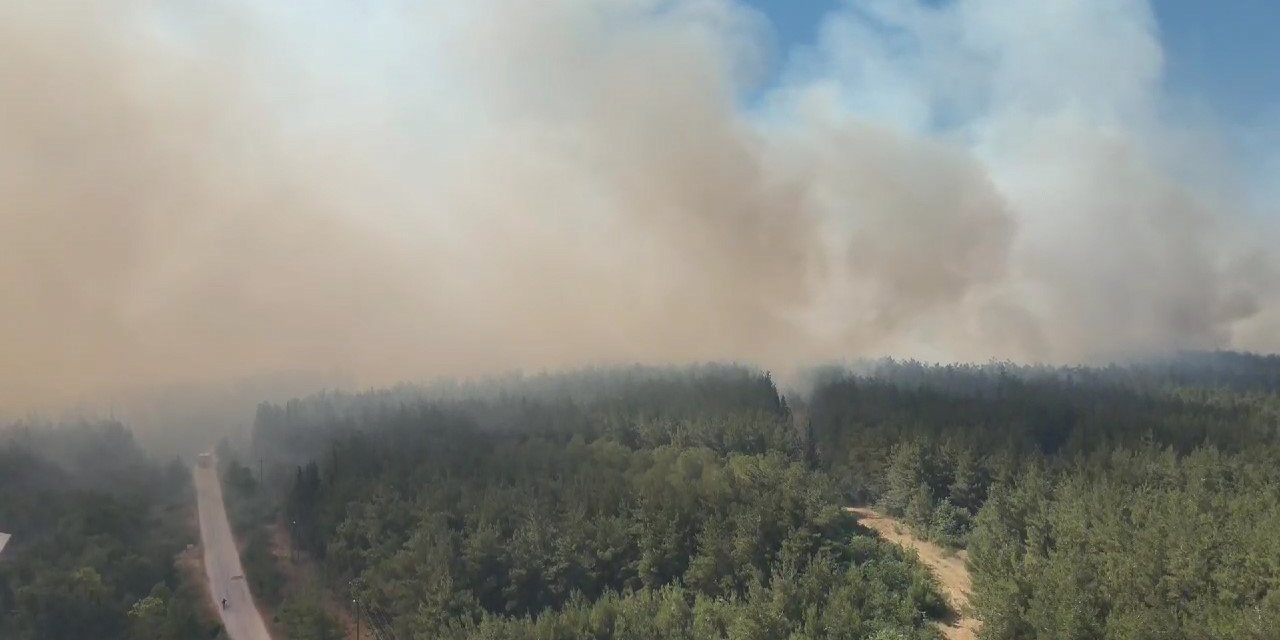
222, 561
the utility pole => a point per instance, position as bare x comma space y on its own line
355, 604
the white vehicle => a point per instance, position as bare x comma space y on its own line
206, 459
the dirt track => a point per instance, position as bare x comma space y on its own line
949, 568
222, 562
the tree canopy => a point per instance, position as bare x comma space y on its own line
1135, 501
93, 550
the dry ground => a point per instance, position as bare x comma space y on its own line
950, 569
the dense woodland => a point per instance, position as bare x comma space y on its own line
295, 606
1137, 502
96, 525
1124, 502
625, 504
1112, 503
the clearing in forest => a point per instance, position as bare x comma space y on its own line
948, 567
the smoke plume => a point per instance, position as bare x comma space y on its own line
203, 191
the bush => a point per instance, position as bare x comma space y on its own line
264, 576
303, 617
950, 525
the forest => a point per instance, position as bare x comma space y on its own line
1136, 501
1095, 503
1125, 502
96, 525
633, 503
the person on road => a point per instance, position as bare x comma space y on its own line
224, 603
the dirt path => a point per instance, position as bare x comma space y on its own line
222, 561
949, 568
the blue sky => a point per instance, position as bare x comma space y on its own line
1221, 54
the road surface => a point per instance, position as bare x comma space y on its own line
949, 568
222, 561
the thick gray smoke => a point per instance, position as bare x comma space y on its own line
198, 191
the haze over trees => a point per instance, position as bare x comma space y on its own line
96, 525
1121, 502
211, 212
1118, 503
631, 504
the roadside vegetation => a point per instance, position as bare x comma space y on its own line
250, 513
96, 525
296, 610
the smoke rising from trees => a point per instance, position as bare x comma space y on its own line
196, 191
